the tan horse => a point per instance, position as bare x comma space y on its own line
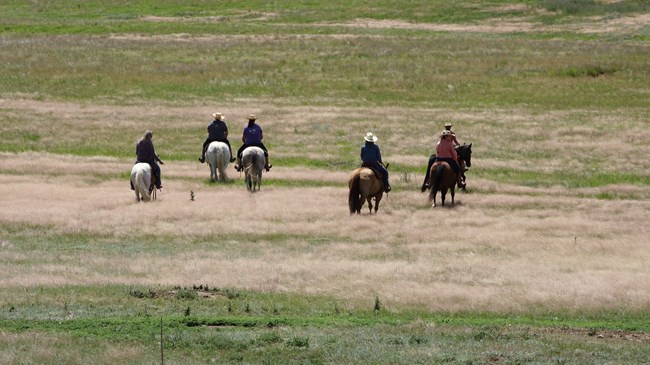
441, 179
364, 186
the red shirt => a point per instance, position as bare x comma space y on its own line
445, 149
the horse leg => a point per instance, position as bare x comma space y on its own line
453, 193
434, 193
464, 181
377, 200
443, 195
369, 199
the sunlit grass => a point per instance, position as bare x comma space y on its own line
557, 118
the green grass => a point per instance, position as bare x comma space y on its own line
278, 53
413, 70
249, 327
566, 179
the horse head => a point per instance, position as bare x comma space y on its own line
465, 154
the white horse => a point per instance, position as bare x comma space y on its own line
141, 181
218, 157
253, 161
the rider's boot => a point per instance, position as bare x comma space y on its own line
459, 181
238, 165
425, 185
387, 187
202, 158
267, 165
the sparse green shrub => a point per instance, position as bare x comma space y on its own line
377, 307
269, 337
187, 294
298, 342
589, 70
137, 293
229, 293
569, 7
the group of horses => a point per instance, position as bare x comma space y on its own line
217, 156
365, 184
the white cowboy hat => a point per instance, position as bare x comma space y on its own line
217, 116
447, 124
252, 117
370, 137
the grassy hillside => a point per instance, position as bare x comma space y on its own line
543, 260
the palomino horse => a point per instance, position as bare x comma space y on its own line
253, 161
218, 157
143, 182
441, 179
364, 186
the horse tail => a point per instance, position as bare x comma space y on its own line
221, 164
439, 171
354, 198
436, 178
251, 166
141, 183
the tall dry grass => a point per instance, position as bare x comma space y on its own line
504, 251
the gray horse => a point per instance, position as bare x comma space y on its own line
253, 162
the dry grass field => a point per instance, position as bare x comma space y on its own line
501, 248
544, 259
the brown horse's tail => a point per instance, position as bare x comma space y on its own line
436, 179
355, 193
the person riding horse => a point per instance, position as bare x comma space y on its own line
371, 157
217, 132
445, 151
146, 153
252, 136
453, 134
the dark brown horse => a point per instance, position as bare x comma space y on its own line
464, 159
441, 179
364, 186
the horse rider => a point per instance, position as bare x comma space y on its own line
432, 158
446, 152
453, 134
217, 132
146, 153
252, 136
371, 157
448, 126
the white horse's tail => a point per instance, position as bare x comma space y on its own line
253, 161
218, 158
141, 180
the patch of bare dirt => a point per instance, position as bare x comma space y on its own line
257, 16
501, 27
605, 334
629, 24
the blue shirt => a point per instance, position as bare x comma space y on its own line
252, 134
370, 153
